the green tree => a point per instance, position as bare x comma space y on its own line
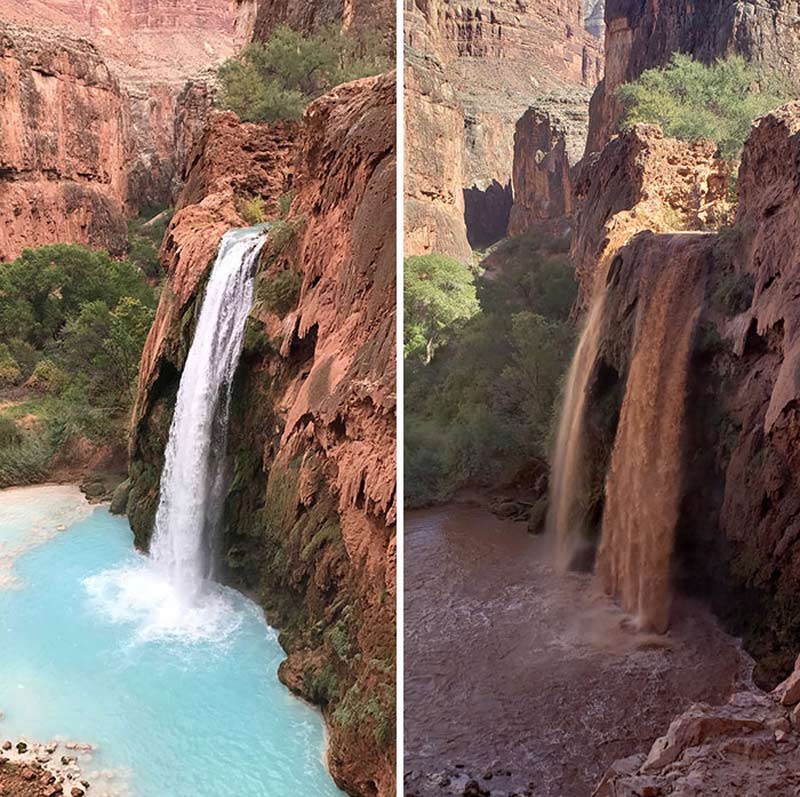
44, 287
439, 294
105, 347
690, 100
278, 78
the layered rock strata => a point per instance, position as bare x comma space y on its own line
641, 34
99, 114
497, 60
549, 140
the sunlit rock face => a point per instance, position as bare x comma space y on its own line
497, 60
101, 107
641, 34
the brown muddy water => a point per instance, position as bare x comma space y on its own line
519, 672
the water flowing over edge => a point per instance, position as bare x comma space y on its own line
170, 595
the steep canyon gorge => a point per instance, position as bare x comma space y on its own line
473, 70
311, 510
674, 473
108, 115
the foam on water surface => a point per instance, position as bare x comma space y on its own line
99, 648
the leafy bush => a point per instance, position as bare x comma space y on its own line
285, 203
44, 287
279, 293
142, 252
692, 101
277, 79
47, 377
10, 372
252, 209
485, 403
439, 295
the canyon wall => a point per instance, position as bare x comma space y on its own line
493, 62
100, 111
641, 34
549, 140
310, 514
256, 19
62, 144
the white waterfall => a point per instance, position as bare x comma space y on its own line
192, 483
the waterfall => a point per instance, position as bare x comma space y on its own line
193, 479
644, 484
566, 514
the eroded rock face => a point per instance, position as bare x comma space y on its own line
548, 142
750, 745
642, 34
434, 204
256, 19
311, 512
98, 112
498, 59
62, 150
643, 181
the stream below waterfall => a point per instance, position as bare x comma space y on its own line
529, 675
177, 705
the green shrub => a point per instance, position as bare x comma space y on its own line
692, 101
252, 209
278, 78
285, 203
143, 253
484, 405
279, 293
47, 377
10, 372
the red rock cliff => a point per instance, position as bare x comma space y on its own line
62, 150
311, 512
641, 34
99, 113
497, 59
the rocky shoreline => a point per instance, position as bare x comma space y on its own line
52, 769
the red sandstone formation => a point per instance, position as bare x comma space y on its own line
641, 34
320, 392
643, 181
751, 745
434, 206
548, 143
256, 19
62, 144
497, 60
98, 127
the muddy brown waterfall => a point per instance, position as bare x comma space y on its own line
566, 516
643, 486
645, 480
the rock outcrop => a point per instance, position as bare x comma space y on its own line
498, 59
751, 745
434, 205
256, 19
642, 34
548, 142
62, 144
99, 114
311, 509
643, 181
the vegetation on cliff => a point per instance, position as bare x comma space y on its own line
483, 406
691, 100
278, 78
74, 323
